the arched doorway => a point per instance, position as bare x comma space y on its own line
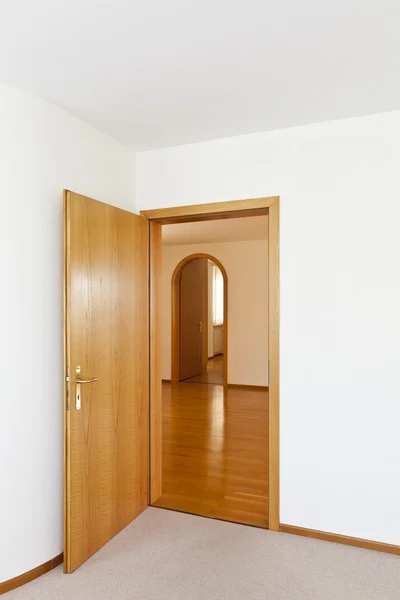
177, 366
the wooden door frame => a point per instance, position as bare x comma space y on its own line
175, 313
203, 212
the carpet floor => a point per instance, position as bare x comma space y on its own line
165, 555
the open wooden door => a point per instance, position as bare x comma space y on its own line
106, 347
193, 303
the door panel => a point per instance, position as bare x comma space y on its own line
106, 334
192, 313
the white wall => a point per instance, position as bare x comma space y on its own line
339, 185
42, 151
246, 265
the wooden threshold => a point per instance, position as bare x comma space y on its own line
15, 582
340, 539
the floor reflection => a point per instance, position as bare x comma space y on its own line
215, 452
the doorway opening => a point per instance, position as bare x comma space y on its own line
214, 449
199, 321
215, 429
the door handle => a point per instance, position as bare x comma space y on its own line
78, 386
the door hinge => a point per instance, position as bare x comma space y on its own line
67, 380
269, 372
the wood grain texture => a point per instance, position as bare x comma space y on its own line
223, 208
340, 539
191, 313
175, 312
236, 214
67, 362
11, 584
273, 353
155, 361
107, 308
215, 452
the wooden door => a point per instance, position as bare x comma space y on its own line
193, 320
106, 337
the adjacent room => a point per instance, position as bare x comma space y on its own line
215, 369
199, 349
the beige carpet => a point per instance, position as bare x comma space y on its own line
166, 555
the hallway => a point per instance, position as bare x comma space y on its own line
215, 452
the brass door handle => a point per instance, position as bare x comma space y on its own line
78, 386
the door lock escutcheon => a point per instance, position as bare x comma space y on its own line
79, 382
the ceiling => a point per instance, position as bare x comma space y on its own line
224, 230
155, 73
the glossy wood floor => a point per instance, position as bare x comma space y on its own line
214, 373
215, 452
